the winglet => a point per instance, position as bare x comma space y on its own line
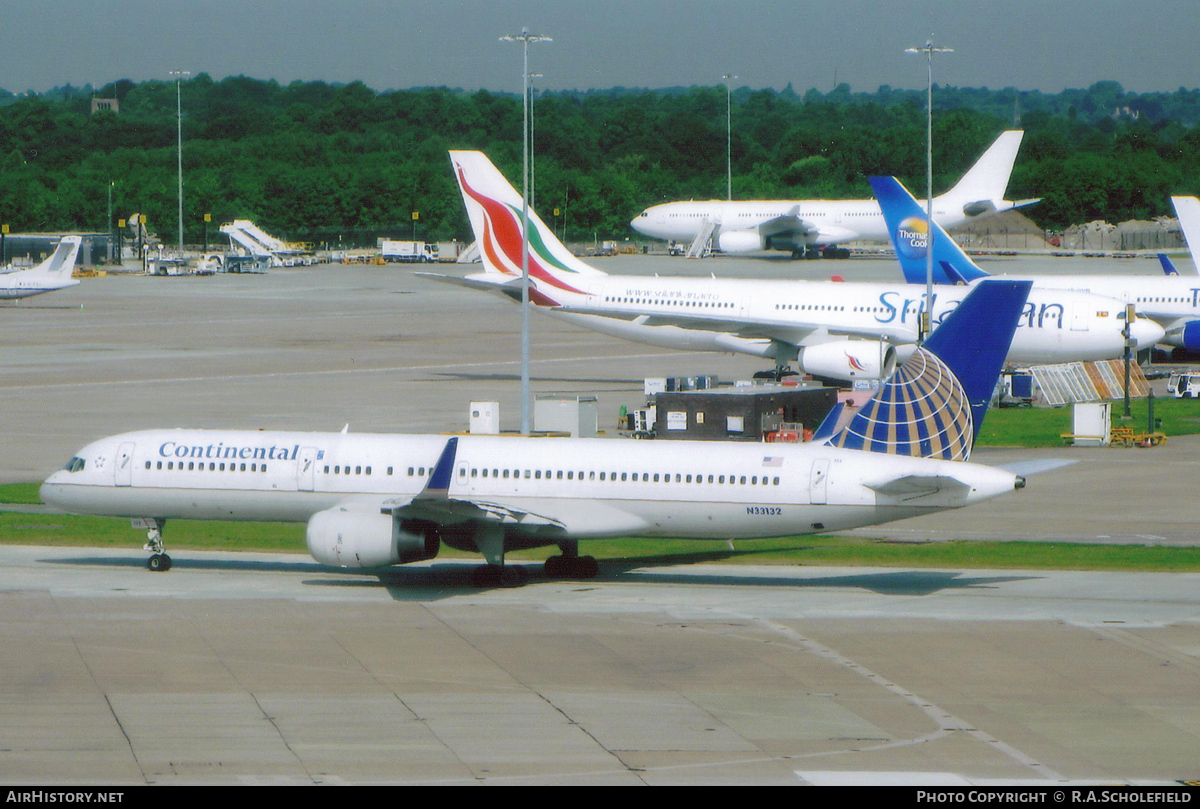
1168, 267
908, 230
934, 405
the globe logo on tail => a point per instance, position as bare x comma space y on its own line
922, 412
912, 237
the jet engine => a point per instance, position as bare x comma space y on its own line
1191, 335
362, 537
849, 360
740, 241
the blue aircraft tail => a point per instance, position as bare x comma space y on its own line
906, 224
933, 406
1167, 266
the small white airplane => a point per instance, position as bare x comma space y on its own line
843, 331
377, 500
743, 226
52, 274
1169, 302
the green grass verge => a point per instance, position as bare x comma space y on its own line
1043, 426
109, 532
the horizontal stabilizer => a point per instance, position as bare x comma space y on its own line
912, 486
1036, 467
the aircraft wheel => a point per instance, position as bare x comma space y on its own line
499, 576
159, 562
578, 567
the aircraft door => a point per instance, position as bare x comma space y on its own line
1079, 317
123, 468
462, 480
817, 481
306, 467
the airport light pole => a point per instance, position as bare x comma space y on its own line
728, 77
525, 38
532, 149
179, 76
926, 317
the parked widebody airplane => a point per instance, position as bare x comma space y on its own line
52, 274
1169, 302
739, 226
843, 331
377, 500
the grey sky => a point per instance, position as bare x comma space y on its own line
1030, 44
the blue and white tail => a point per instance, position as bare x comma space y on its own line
908, 228
61, 263
934, 405
494, 208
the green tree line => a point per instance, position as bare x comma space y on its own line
343, 163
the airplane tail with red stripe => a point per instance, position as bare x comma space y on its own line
494, 208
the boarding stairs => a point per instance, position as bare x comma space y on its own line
702, 245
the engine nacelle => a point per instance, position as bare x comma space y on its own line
1191, 335
740, 241
352, 537
849, 360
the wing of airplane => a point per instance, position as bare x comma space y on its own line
785, 331
435, 504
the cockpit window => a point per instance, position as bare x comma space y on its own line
75, 464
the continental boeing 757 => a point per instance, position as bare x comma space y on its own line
375, 500
53, 273
842, 331
742, 226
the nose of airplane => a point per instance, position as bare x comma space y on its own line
1146, 332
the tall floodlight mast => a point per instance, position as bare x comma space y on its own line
525, 38
179, 76
929, 50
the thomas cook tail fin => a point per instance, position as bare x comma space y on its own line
908, 228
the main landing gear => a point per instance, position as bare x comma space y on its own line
158, 562
567, 565
570, 565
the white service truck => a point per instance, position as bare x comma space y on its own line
407, 252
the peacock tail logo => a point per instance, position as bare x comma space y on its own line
912, 237
922, 412
853, 362
502, 242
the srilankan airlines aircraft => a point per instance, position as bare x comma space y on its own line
377, 500
52, 274
842, 331
797, 225
1169, 302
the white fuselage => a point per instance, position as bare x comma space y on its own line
25, 284
1056, 326
838, 220
592, 487
1170, 301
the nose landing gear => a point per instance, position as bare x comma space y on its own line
158, 562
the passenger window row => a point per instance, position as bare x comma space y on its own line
632, 477
213, 466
